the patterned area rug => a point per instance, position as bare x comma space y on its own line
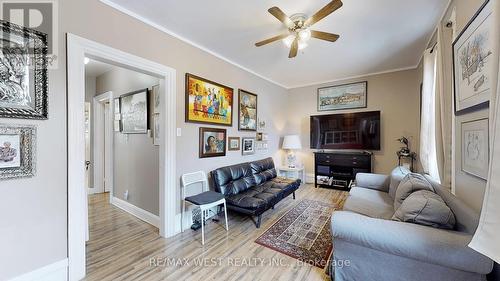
302, 233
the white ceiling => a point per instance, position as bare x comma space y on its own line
95, 68
375, 36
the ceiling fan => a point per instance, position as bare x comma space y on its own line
299, 28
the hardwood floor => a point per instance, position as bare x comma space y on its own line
122, 247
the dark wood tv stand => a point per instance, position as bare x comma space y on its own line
340, 167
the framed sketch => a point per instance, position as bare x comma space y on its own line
156, 129
247, 111
212, 142
347, 96
247, 146
134, 112
475, 148
473, 62
23, 64
156, 98
208, 102
233, 143
17, 151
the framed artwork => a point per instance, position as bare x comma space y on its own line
17, 151
156, 129
156, 98
247, 111
134, 112
247, 146
473, 62
475, 148
24, 83
208, 102
212, 142
347, 96
233, 143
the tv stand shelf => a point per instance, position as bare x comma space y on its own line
338, 169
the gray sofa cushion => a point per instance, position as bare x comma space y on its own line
410, 183
396, 176
369, 202
426, 208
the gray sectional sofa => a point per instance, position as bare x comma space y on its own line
368, 245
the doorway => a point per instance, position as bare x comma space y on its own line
78, 49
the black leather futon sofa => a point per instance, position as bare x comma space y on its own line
252, 188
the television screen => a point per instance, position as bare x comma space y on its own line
360, 130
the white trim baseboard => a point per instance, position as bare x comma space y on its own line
57, 271
136, 211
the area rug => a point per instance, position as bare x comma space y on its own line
302, 233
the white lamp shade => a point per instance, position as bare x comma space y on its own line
292, 142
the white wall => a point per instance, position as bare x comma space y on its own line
136, 159
396, 95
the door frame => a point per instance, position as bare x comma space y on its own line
77, 49
99, 144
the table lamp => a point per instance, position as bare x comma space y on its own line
291, 143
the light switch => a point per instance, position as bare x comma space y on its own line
179, 132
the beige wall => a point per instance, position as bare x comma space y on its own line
34, 211
136, 159
396, 95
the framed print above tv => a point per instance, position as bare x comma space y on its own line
24, 83
473, 62
208, 102
247, 111
212, 142
347, 96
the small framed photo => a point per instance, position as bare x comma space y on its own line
233, 143
212, 142
17, 151
156, 98
24, 83
247, 146
156, 129
475, 148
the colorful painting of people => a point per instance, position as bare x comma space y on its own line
209, 102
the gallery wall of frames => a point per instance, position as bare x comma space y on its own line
23, 95
210, 103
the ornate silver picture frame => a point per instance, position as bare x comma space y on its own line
23, 72
17, 151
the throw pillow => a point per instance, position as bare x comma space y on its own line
410, 183
426, 208
396, 176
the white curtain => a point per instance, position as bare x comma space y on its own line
428, 153
486, 240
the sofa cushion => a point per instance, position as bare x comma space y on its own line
369, 202
249, 199
410, 183
263, 170
396, 176
426, 208
233, 179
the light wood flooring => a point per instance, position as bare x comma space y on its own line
122, 247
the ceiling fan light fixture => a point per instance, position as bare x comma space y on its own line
302, 45
289, 40
305, 34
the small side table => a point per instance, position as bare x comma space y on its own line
292, 173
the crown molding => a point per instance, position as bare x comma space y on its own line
184, 39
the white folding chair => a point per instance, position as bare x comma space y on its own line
205, 200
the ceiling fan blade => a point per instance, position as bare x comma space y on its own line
294, 48
278, 13
325, 11
272, 39
324, 35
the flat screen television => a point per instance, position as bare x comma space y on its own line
360, 130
